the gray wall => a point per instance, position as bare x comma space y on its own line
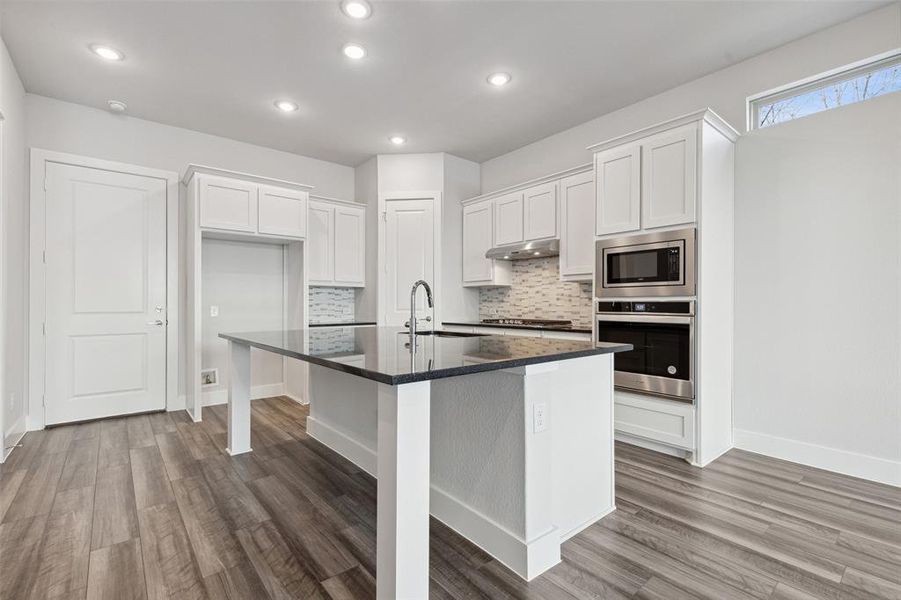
818, 289
13, 250
725, 91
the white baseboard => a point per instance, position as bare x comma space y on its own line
297, 399
863, 466
349, 448
8, 443
651, 445
524, 559
583, 526
256, 392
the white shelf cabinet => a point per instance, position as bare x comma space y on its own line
577, 227
648, 182
557, 205
508, 219
478, 238
282, 212
336, 241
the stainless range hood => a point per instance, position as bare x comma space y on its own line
525, 250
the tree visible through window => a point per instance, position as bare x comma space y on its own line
877, 79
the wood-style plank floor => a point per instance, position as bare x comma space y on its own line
150, 507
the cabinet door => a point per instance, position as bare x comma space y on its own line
617, 175
540, 212
508, 219
349, 246
577, 226
282, 212
229, 204
320, 251
477, 240
669, 177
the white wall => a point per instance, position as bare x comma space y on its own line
67, 127
818, 290
366, 186
456, 179
13, 253
725, 91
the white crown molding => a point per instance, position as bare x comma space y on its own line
532, 182
330, 200
707, 115
206, 170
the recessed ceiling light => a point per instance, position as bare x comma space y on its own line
499, 79
354, 51
106, 52
286, 106
356, 9
117, 106
398, 140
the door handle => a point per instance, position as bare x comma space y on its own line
158, 322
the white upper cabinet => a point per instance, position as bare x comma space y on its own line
618, 175
478, 232
508, 219
282, 212
336, 244
577, 208
540, 212
228, 204
669, 167
320, 232
350, 242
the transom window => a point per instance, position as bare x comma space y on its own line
847, 86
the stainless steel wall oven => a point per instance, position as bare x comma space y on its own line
662, 333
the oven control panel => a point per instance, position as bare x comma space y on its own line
651, 307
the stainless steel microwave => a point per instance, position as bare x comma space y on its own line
648, 264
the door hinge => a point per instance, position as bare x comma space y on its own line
45, 184
44, 256
385, 215
44, 328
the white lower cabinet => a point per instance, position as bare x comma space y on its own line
336, 244
656, 419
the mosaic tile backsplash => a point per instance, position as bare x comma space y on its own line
538, 293
331, 304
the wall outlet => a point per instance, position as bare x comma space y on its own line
214, 311
539, 417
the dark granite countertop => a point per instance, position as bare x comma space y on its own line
569, 328
383, 354
342, 324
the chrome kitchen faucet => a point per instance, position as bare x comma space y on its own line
412, 322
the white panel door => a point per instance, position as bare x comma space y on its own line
577, 226
477, 240
617, 175
350, 244
540, 212
409, 255
105, 294
320, 235
229, 204
282, 212
669, 163
508, 225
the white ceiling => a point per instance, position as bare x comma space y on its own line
217, 67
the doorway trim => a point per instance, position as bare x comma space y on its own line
36, 270
437, 212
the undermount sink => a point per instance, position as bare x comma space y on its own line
440, 333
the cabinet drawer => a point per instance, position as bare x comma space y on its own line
282, 212
228, 204
665, 421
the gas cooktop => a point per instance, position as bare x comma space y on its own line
529, 322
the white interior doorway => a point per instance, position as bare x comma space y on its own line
104, 292
410, 239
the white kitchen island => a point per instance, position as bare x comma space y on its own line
507, 440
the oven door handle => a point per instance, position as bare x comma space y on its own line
633, 318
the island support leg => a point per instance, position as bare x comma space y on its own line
402, 534
238, 398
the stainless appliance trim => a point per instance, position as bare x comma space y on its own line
676, 389
525, 250
667, 238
